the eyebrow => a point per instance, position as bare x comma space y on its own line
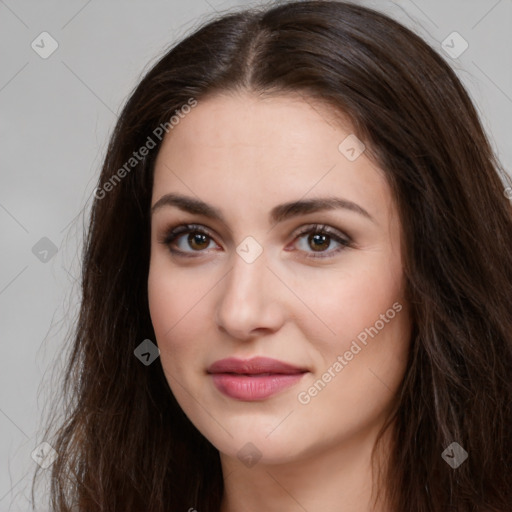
279, 213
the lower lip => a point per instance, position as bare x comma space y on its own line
247, 387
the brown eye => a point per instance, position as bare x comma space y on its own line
318, 240
315, 238
197, 241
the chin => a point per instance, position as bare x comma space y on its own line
257, 439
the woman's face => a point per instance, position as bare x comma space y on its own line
251, 278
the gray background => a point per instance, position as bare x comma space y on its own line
57, 114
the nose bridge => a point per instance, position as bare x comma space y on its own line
245, 283
245, 302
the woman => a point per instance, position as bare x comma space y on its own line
300, 209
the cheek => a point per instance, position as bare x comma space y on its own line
359, 370
162, 299
342, 304
175, 307
175, 295
373, 348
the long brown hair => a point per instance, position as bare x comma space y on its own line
126, 445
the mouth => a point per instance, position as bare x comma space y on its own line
254, 366
253, 379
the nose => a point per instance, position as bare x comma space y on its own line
249, 303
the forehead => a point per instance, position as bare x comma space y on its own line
243, 121
246, 150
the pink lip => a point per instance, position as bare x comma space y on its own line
253, 379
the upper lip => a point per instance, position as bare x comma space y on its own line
254, 366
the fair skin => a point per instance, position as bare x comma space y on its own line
244, 155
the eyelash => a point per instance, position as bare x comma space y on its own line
174, 233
